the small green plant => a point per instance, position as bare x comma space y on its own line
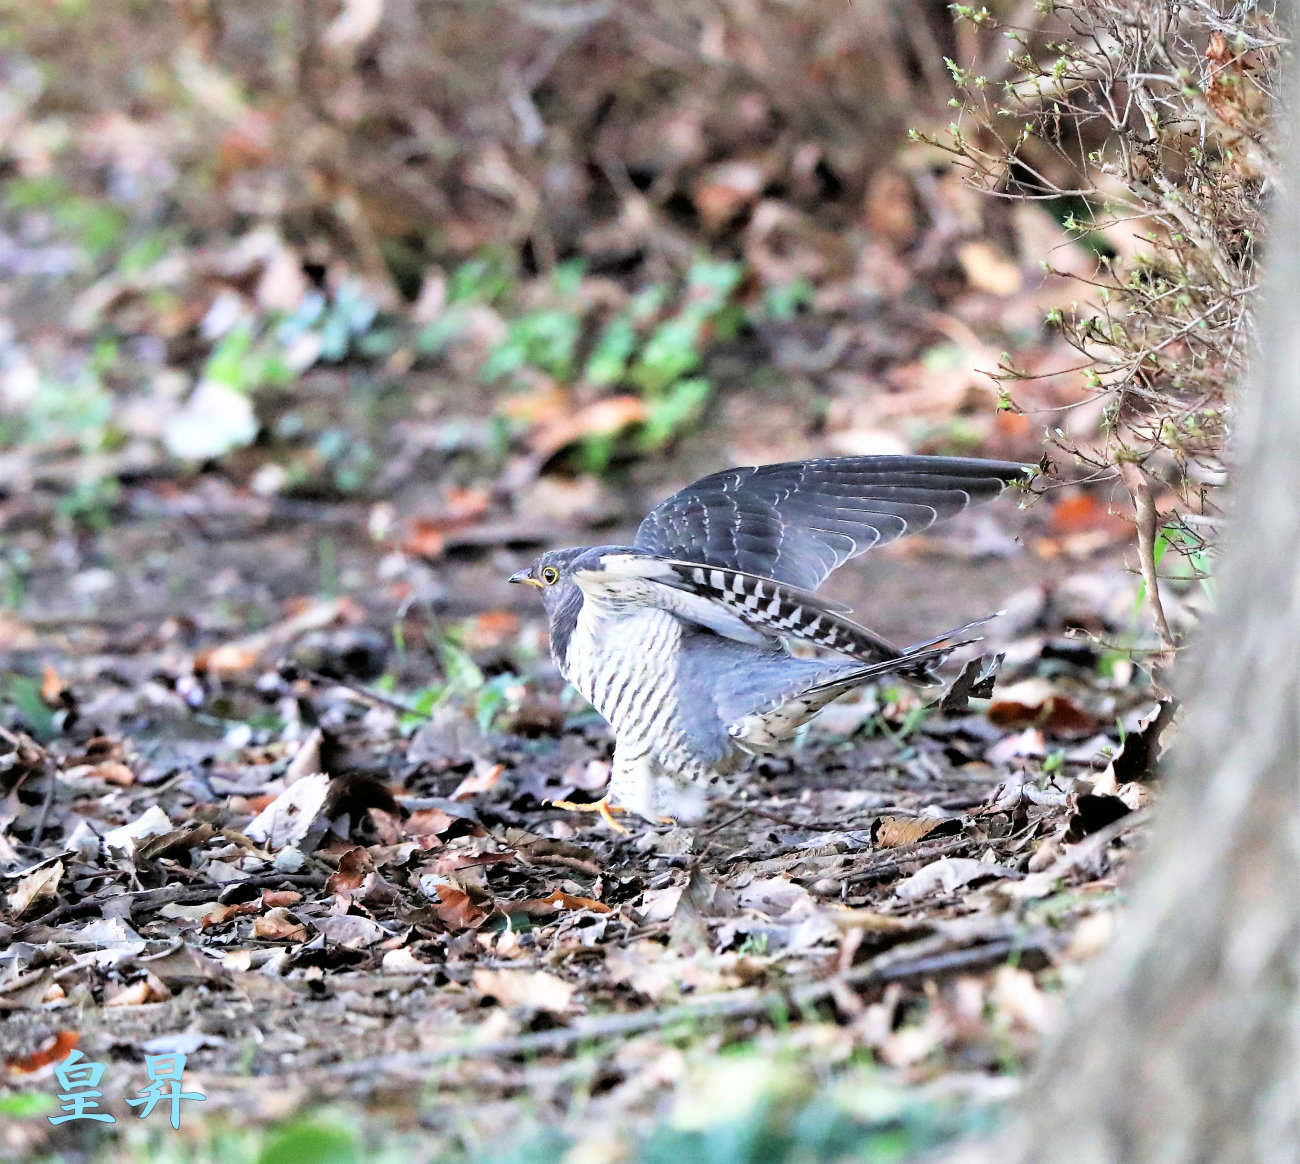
1195, 554
652, 349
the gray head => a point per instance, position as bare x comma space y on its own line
552, 574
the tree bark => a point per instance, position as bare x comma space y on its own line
1183, 1043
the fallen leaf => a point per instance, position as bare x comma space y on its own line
888, 832
986, 269
724, 190
531, 989
352, 869
35, 887
144, 990
348, 930
947, 874
203, 913
454, 907
52, 690
428, 824
215, 419
152, 823
606, 417
480, 780
1141, 748
279, 925
289, 817
1034, 703
55, 1051
1093, 812
112, 772
556, 902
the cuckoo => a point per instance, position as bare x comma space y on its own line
680, 639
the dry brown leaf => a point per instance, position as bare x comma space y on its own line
453, 905
38, 886
349, 930
112, 772
1085, 513
480, 780
275, 898
352, 869
279, 925
428, 824
724, 190
55, 1051
52, 690
606, 417
556, 902
483, 632
148, 989
946, 875
531, 989
1034, 703
289, 817
888, 832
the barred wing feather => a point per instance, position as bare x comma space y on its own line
797, 521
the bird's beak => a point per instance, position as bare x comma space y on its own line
526, 577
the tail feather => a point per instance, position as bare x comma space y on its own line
917, 663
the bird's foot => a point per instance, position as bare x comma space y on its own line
602, 806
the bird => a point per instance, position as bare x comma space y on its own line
680, 640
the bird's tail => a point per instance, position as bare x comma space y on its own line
916, 663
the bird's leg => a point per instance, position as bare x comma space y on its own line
631, 788
601, 806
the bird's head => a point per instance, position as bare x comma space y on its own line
552, 573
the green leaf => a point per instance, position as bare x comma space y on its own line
670, 414
312, 1142
26, 1105
609, 358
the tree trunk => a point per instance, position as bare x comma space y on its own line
1184, 1041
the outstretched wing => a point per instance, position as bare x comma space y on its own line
740, 606
796, 522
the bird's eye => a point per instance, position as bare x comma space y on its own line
550, 575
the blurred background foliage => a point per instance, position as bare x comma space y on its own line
566, 205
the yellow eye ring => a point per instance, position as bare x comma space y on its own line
550, 575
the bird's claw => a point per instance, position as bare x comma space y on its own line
601, 806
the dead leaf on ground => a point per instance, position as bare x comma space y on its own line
348, 930
289, 817
1035, 703
557, 902
279, 925
888, 832
531, 989
55, 1051
948, 874
454, 907
484, 776
38, 886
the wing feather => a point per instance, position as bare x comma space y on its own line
797, 521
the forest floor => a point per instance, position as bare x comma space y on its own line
317, 858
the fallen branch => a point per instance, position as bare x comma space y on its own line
929, 956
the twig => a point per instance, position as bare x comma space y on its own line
1136, 482
914, 960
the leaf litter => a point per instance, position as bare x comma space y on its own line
385, 901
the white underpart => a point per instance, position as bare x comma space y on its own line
620, 657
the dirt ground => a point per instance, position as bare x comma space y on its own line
238, 844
